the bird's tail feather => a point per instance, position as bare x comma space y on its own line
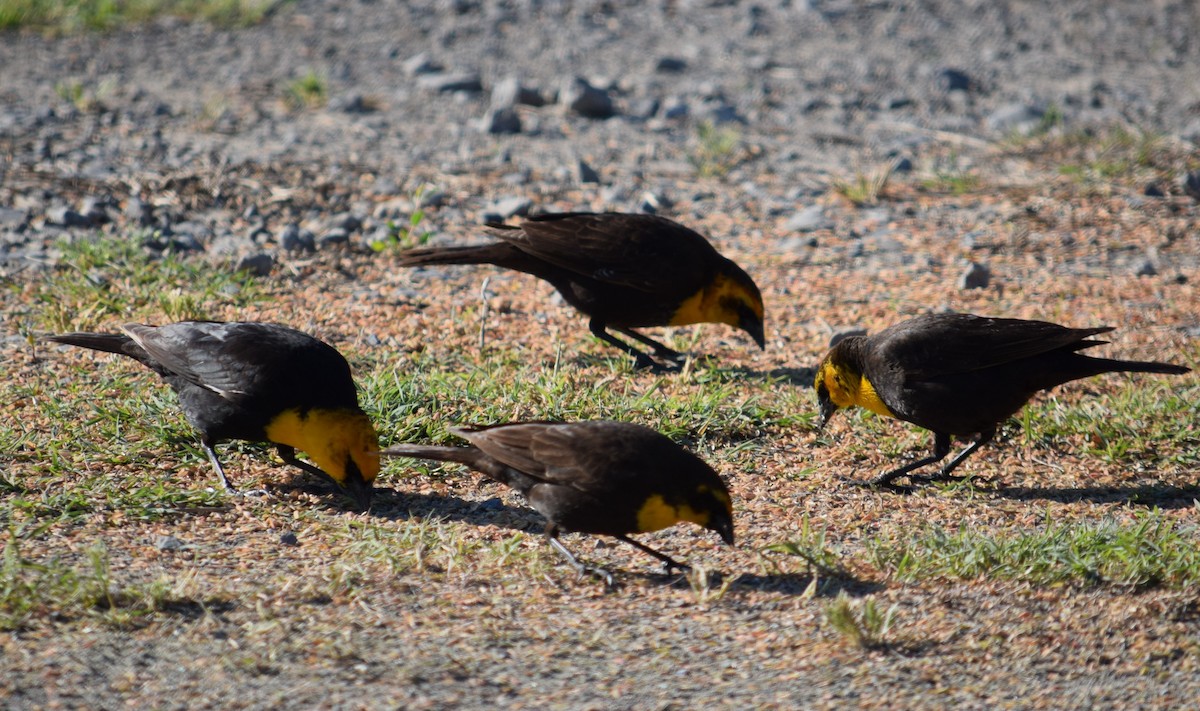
473, 457
1112, 365
107, 342
474, 254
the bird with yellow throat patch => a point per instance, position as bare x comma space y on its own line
599, 477
959, 375
259, 382
624, 271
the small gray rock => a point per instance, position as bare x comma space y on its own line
976, 276
1018, 117
12, 219
949, 79
807, 220
345, 221
670, 65
586, 100
289, 539
419, 64
168, 543
676, 108
505, 208
294, 239
194, 230
66, 217
509, 92
451, 82
139, 212
351, 104
333, 237
653, 202
643, 108
432, 198
501, 121
95, 210
257, 264
585, 173
1191, 184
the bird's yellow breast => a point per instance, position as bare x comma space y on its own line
329, 437
706, 305
655, 513
847, 388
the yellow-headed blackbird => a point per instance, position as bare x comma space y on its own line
601, 477
258, 382
624, 271
958, 374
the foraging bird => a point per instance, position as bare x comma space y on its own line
958, 374
624, 271
601, 477
258, 382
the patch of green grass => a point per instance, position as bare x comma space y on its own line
947, 175
1143, 423
864, 188
812, 547
1151, 551
716, 151
406, 236
308, 91
105, 278
863, 624
374, 553
418, 402
1115, 154
31, 589
82, 96
73, 16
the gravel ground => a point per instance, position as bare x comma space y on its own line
485, 110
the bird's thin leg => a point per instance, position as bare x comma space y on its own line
212, 457
288, 455
581, 568
941, 447
944, 474
669, 563
216, 463
643, 360
660, 350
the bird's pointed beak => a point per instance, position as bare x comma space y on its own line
358, 490
755, 329
827, 410
724, 529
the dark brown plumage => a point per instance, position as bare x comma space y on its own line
624, 271
601, 477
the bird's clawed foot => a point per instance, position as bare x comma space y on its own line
940, 476
883, 481
645, 362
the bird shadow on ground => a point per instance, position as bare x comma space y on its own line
800, 377
1163, 496
396, 505
807, 583
817, 585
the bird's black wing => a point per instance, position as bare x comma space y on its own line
565, 454
247, 359
637, 251
941, 344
